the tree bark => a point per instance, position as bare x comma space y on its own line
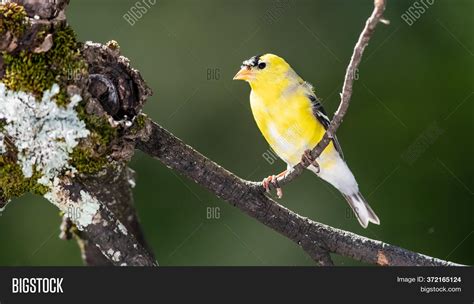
104, 241
317, 240
113, 188
110, 233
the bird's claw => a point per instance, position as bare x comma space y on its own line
307, 159
273, 180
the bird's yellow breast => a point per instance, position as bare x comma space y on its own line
285, 118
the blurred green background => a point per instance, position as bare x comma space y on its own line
408, 136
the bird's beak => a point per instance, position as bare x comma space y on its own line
245, 73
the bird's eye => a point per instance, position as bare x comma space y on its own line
262, 65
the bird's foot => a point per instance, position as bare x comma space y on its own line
307, 160
273, 180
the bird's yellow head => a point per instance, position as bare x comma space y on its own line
264, 69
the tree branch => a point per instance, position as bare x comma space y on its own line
318, 240
112, 187
363, 41
99, 224
114, 236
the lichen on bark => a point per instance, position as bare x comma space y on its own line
55, 57
40, 134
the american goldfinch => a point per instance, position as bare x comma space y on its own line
293, 121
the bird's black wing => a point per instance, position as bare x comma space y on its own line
323, 118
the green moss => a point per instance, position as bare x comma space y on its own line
98, 125
86, 162
37, 188
62, 99
90, 158
12, 18
27, 72
14, 184
140, 120
138, 123
36, 72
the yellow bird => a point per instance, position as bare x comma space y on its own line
293, 121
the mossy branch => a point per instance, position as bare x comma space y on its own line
43, 65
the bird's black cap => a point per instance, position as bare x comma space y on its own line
252, 62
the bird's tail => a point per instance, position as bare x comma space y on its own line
362, 210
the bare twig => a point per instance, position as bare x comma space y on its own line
374, 19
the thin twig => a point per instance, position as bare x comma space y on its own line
374, 19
